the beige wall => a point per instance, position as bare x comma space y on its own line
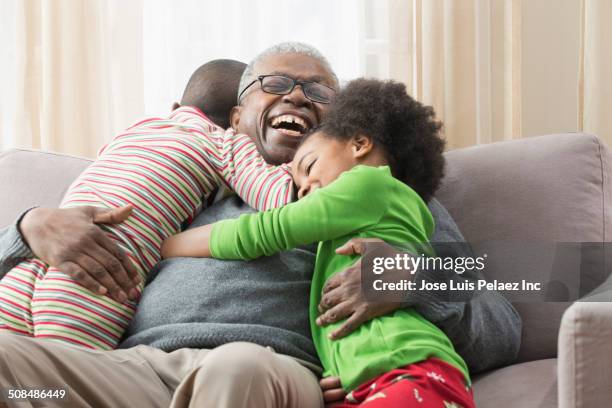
504, 69
596, 78
550, 64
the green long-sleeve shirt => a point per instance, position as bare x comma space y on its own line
363, 202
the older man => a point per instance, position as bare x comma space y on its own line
225, 334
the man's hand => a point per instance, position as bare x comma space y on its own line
332, 389
342, 296
70, 240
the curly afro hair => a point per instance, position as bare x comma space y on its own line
405, 129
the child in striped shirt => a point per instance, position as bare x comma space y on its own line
167, 169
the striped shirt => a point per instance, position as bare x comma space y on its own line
167, 169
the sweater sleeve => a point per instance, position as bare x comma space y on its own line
484, 328
330, 212
13, 248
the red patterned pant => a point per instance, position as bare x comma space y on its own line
430, 383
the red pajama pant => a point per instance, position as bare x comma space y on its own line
430, 383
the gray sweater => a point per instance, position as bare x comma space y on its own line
203, 303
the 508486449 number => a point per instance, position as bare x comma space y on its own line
35, 393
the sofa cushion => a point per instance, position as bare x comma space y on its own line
526, 385
546, 189
30, 177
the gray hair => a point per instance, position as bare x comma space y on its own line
285, 48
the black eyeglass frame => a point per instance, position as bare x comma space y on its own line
303, 84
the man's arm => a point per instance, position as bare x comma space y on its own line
486, 329
70, 240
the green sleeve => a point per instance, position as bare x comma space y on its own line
353, 202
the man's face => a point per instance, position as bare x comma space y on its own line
267, 118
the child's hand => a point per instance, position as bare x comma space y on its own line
191, 243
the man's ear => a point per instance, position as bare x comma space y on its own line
235, 117
362, 145
176, 105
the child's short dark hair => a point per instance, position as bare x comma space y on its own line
212, 88
405, 129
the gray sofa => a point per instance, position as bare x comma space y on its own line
550, 188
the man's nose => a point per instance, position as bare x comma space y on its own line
297, 97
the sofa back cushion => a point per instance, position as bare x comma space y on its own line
546, 189
30, 177
553, 188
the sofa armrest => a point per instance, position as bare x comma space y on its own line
584, 359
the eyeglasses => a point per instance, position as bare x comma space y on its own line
282, 85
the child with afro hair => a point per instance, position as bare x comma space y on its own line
365, 172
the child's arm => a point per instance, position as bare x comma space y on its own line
261, 185
234, 160
331, 212
191, 243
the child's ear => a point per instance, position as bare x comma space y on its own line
362, 145
176, 105
235, 117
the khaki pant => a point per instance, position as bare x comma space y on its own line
234, 375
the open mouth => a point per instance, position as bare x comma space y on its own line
290, 125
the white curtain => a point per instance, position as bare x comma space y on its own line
180, 36
71, 72
75, 72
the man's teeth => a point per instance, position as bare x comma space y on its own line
289, 119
